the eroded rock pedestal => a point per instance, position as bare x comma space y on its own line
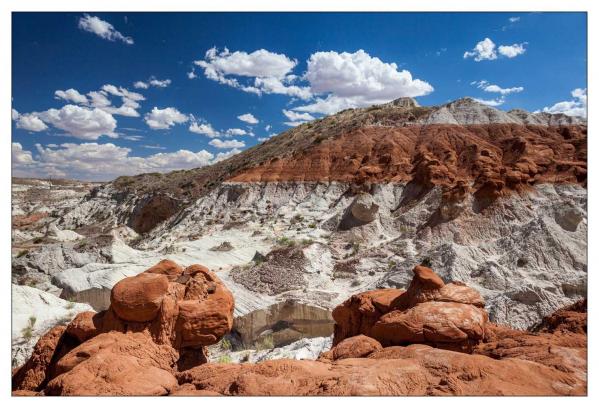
450, 316
158, 323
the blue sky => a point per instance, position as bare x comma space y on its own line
310, 64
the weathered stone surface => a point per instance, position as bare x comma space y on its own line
353, 347
432, 322
115, 364
429, 311
152, 326
85, 326
138, 298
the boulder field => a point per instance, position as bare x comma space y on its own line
434, 338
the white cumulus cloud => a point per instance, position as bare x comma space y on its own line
157, 83
488, 87
577, 106
487, 50
71, 95
248, 118
202, 128
101, 162
28, 121
226, 144
350, 80
81, 122
236, 132
257, 72
102, 29
164, 118
491, 102
512, 51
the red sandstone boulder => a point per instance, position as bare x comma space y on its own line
138, 298
115, 364
432, 322
35, 372
360, 312
159, 321
84, 326
353, 347
168, 268
429, 311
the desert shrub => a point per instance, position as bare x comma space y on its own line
226, 344
285, 241
265, 343
22, 253
224, 359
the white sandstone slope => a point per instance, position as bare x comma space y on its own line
34, 312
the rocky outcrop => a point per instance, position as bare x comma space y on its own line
412, 370
428, 312
121, 357
361, 211
352, 347
160, 319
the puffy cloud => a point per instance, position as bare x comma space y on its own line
164, 118
192, 74
260, 63
100, 99
267, 128
71, 95
225, 155
488, 87
248, 118
514, 19
160, 83
486, 50
491, 102
205, 129
102, 29
296, 118
269, 70
94, 161
226, 144
157, 83
236, 132
351, 80
81, 122
483, 50
28, 121
575, 107
19, 156
512, 51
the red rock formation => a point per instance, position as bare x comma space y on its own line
487, 160
352, 347
428, 312
102, 354
158, 321
412, 370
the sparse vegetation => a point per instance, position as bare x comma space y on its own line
312, 225
225, 359
265, 343
307, 241
285, 241
226, 344
22, 253
27, 331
